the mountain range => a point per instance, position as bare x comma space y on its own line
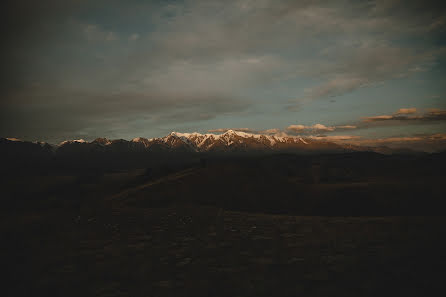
230, 141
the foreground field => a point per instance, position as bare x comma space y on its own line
210, 252
274, 225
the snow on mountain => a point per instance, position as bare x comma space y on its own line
204, 142
229, 141
14, 139
143, 141
72, 141
103, 141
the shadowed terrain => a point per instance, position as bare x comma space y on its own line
353, 224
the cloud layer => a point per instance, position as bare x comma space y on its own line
82, 68
409, 115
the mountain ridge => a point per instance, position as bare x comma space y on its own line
230, 141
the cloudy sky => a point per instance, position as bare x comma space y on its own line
342, 70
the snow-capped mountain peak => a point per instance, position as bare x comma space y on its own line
229, 141
14, 139
72, 141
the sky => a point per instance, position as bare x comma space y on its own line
358, 71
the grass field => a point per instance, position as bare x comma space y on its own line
255, 227
210, 252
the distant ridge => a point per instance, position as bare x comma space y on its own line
230, 141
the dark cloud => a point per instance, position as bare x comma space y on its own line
27, 26
112, 67
52, 118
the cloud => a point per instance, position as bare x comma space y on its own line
296, 128
134, 36
317, 128
313, 128
94, 33
320, 127
406, 110
428, 142
334, 138
335, 87
292, 130
346, 127
275, 132
400, 117
219, 130
438, 136
388, 140
436, 112
270, 131
348, 67
193, 61
406, 115
222, 130
421, 142
378, 118
89, 115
